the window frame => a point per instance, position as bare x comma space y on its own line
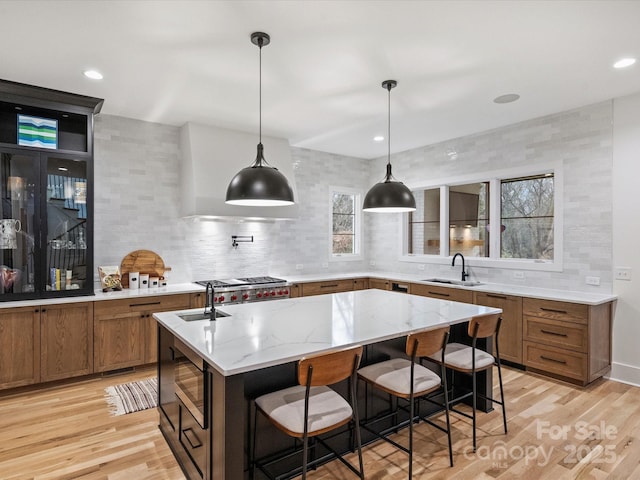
494, 260
357, 228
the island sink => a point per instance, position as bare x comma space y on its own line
192, 317
465, 283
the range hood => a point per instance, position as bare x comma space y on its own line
211, 157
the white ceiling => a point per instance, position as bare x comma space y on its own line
178, 61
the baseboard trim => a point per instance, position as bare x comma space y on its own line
623, 373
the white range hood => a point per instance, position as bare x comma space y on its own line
212, 156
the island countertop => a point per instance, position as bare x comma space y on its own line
264, 334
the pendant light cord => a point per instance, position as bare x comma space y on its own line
389, 124
260, 41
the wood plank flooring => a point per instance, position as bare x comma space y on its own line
556, 431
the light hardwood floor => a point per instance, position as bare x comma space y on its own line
556, 431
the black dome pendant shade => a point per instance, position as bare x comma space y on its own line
389, 195
259, 185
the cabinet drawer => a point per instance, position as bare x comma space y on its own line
568, 312
379, 283
193, 439
143, 304
320, 288
443, 293
555, 360
560, 334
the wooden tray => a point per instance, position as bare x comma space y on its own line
143, 261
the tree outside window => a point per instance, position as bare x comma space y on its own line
344, 224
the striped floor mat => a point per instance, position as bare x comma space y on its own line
132, 397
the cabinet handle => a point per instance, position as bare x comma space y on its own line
553, 310
563, 362
143, 304
548, 332
43, 310
438, 293
501, 297
187, 432
329, 286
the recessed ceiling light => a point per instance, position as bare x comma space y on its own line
378, 138
63, 169
508, 98
93, 74
624, 62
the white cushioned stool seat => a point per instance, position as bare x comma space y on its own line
395, 375
458, 356
286, 407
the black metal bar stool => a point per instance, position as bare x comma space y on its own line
471, 360
311, 408
409, 380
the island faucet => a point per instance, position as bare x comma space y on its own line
209, 302
453, 262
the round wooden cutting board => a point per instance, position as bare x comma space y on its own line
143, 261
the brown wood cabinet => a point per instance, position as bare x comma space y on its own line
380, 283
197, 300
126, 332
510, 338
295, 290
360, 283
330, 286
443, 293
566, 339
66, 340
19, 346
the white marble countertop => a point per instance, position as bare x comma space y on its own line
114, 295
503, 289
263, 334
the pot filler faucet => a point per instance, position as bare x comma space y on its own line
453, 263
208, 302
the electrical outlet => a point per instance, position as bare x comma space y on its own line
325, 265
299, 266
518, 275
592, 280
421, 266
623, 273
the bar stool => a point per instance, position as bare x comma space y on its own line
311, 408
409, 380
471, 360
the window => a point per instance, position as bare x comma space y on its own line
345, 223
452, 219
526, 215
468, 219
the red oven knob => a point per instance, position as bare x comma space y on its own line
234, 298
286, 292
273, 293
279, 292
215, 299
221, 298
259, 295
245, 296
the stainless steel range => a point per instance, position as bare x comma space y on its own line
249, 289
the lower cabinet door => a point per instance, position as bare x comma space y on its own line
120, 341
66, 341
19, 347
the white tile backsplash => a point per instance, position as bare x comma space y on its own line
137, 201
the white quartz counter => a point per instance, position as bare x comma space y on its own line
100, 295
263, 334
502, 289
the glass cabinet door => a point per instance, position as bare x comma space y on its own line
19, 226
66, 224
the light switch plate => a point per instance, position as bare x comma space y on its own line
518, 275
299, 266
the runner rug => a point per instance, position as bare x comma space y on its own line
132, 397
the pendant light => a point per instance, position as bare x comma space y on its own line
389, 195
260, 184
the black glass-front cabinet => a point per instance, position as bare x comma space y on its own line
46, 192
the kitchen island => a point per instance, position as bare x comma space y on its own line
210, 371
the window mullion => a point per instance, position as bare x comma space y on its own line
444, 221
495, 220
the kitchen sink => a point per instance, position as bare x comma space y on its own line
464, 283
192, 317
